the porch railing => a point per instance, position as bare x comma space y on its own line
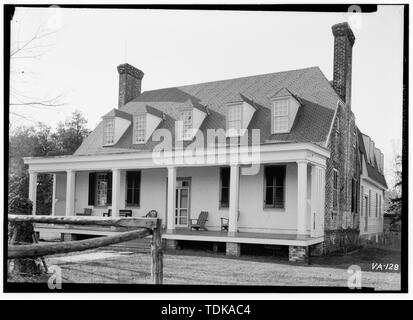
134, 228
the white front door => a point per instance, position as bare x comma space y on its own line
182, 203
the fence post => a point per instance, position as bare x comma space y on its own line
157, 254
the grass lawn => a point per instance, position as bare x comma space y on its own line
202, 267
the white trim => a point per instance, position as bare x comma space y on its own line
268, 153
374, 183
332, 125
200, 237
105, 124
135, 128
274, 106
235, 239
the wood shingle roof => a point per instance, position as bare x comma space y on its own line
318, 103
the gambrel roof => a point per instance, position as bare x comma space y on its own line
372, 171
317, 97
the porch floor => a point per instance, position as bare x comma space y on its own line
193, 235
241, 237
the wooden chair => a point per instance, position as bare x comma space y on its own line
108, 214
151, 214
86, 212
125, 213
200, 222
225, 222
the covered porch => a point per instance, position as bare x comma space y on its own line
299, 222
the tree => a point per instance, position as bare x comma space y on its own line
37, 141
30, 142
395, 206
70, 134
24, 52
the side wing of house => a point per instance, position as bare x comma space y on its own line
373, 186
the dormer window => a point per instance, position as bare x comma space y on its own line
191, 116
284, 108
280, 114
140, 128
234, 118
115, 124
109, 131
239, 112
186, 118
145, 122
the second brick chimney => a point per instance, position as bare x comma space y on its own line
130, 83
343, 52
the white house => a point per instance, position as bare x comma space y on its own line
272, 173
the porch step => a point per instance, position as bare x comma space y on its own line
137, 245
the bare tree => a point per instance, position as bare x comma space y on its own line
23, 53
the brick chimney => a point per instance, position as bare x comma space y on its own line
130, 82
343, 52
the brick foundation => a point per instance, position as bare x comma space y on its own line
233, 249
170, 244
298, 254
215, 247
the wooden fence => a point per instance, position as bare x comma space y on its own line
132, 228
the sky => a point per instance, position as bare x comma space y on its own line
78, 59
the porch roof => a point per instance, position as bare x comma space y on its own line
243, 155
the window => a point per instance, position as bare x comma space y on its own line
380, 205
369, 203
133, 186
274, 186
103, 196
377, 204
224, 191
140, 128
335, 189
234, 117
186, 118
280, 115
362, 197
109, 131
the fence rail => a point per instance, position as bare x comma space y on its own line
136, 228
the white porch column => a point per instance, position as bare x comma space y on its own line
115, 192
301, 196
233, 199
33, 189
70, 192
54, 195
170, 215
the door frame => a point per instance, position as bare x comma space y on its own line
189, 179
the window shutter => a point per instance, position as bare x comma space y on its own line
279, 190
109, 194
138, 188
92, 184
